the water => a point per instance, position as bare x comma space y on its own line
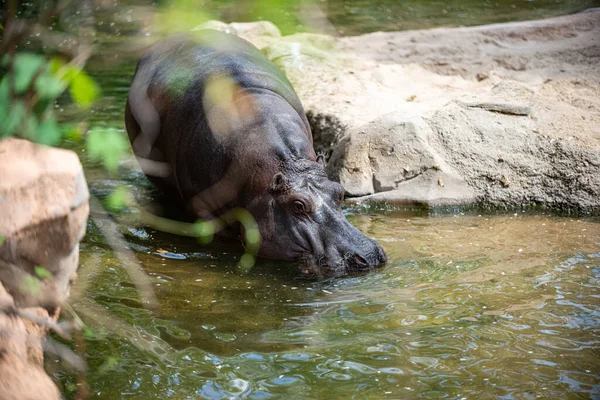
469, 306
362, 16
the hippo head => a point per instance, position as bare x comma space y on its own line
300, 218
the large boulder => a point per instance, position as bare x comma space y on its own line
44, 203
499, 115
394, 157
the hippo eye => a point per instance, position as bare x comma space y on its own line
298, 207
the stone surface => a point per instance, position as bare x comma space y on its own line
22, 374
393, 159
44, 198
509, 113
44, 203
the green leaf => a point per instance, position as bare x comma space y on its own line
246, 262
2, 239
117, 200
74, 132
42, 272
48, 132
25, 66
15, 116
106, 145
89, 334
29, 130
83, 89
205, 230
109, 364
180, 16
55, 64
4, 98
30, 285
49, 87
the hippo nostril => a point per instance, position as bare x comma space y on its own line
360, 260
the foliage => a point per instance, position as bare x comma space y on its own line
180, 15
119, 199
30, 285
183, 15
106, 145
28, 92
42, 272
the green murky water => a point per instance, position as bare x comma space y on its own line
469, 306
354, 17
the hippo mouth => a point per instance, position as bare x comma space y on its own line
347, 265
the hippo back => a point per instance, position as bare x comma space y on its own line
166, 105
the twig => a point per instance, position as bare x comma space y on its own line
36, 319
47, 322
65, 353
125, 255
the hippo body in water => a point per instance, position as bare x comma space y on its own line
215, 125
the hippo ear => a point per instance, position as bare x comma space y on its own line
278, 184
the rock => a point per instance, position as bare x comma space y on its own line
393, 157
44, 198
508, 164
44, 203
509, 112
505, 115
21, 366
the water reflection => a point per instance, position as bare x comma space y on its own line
469, 306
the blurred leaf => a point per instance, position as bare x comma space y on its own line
83, 89
68, 72
180, 16
55, 64
75, 132
89, 334
30, 285
42, 272
2, 240
246, 263
25, 66
14, 117
48, 86
106, 145
71, 387
280, 12
253, 236
29, 130
48, 132
118, 199
205, 230
109, 364
4, 99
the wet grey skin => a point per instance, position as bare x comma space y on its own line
215, 126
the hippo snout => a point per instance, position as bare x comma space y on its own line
366, 261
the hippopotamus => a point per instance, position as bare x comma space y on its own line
215, 126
